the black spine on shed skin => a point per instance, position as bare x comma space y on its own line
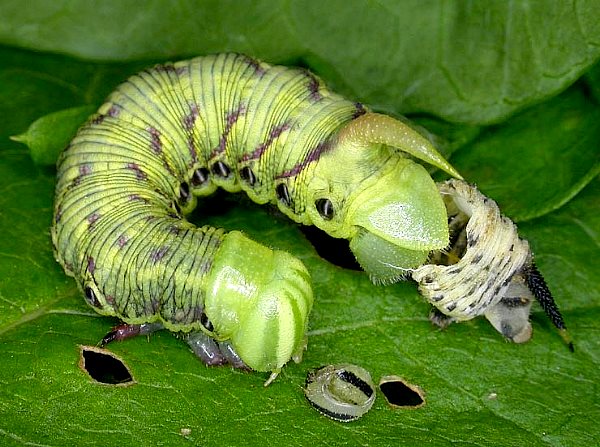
538, 287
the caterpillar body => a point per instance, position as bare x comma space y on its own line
179, 131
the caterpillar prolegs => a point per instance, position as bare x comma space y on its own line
179, 131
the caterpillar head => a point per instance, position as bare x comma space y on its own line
259, 299
369, 190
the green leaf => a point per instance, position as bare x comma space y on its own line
479, 390
592, 78
477, 386
48, 135
540, 159
473, 62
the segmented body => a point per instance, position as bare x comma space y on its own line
166, 135
490, 240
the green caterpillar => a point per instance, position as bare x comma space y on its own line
179, 131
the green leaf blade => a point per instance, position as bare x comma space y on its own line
49, 135
484, 61
479, 389
540, 159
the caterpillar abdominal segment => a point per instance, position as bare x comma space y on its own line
173, 134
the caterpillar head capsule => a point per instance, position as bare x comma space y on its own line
387, 205
259, 300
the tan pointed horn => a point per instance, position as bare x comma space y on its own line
382, 129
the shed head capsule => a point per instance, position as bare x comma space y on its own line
369, 190
341, 392
259, 300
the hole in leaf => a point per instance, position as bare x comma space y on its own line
104, 367
400, 393
336, 251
